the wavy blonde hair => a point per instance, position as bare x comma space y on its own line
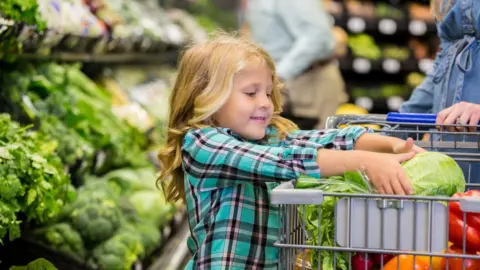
203, 86
440, 8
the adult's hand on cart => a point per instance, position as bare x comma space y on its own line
407, 146
386, 174
462, 113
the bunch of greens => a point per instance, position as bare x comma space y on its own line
25, 11
349, 183
22, 11
32, 176
49, 91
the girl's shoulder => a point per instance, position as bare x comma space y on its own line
206, 134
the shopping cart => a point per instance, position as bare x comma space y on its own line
373, 224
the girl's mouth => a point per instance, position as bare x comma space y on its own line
258, 119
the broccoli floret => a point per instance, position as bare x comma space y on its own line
119, 252
96, 221
146, 232
62, 237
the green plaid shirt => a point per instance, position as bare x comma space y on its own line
228, 182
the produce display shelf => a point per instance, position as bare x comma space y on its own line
385, 26
361, 65
110, 58
52, 45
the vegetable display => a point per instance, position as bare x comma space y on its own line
32, 176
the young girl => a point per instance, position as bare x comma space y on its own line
227, 147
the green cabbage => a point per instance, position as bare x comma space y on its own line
434, 174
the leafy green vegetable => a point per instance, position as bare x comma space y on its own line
350, 183
434, 174
22, 11
32, 176
62, 237
38, 264
62, 94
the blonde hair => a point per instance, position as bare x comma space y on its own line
203, 86
440, 8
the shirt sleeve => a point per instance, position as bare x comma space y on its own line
215, 158
421, 100
339, 139
311, 28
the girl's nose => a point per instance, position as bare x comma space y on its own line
265, 101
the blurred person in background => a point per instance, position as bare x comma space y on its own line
300, 37
455, 76
451, 89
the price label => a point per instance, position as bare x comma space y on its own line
362, 66
417, 27
394, 103
387, 26
364, 102
391, 66
356, 25
425, 65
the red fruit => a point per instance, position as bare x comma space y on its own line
377, 258
361, 262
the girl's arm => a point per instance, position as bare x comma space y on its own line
343, 139
383, 170
386, 144
214, 158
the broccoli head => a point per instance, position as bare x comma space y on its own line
119, 252
96, 221
62, 237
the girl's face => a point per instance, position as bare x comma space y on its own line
249, 108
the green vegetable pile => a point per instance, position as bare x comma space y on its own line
32, 177
430, 173
106, 226
77, 113
25, 11
22, 11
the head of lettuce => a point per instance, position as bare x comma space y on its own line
434, 174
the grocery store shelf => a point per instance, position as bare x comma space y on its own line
111, 58
387, 26
175, 252
360, 65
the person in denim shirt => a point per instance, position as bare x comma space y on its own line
299, 37
455, 76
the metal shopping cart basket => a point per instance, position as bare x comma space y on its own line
412, 226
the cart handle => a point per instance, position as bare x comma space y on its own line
392, 117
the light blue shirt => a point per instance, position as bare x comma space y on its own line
295, 33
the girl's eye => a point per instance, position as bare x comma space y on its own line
251, 94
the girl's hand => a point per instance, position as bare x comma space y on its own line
386, 173
407, 146
463, 113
